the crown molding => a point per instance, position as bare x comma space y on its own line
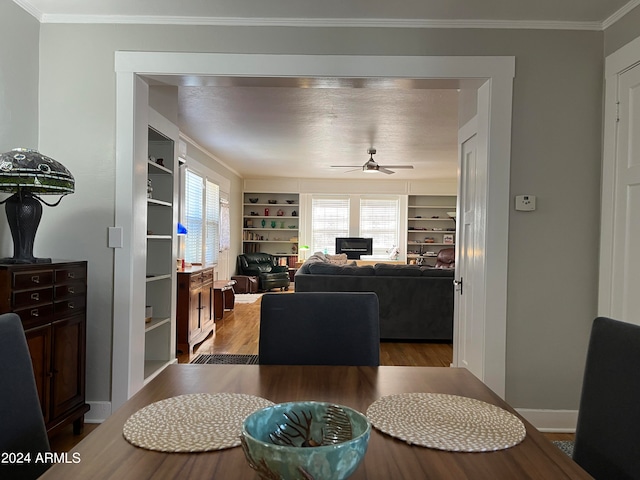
321, 22
620, 13
30, 9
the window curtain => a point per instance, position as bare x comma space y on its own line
225, 225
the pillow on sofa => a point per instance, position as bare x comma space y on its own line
330, 269
317, 257
389, 270
339, 259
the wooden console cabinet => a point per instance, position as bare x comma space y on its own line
51, 299
195, 311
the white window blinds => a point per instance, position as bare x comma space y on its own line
329, 219
379, 220
212, 233
193, 213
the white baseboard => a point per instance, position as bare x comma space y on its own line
99, 412
558, 421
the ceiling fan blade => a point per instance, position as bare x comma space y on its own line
359, 169
385, 170
345, 166
396, 166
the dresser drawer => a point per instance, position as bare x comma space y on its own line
207, 276
70, 306
196, 280
62, 292
35, 315
32, 298
72, 272
33, 279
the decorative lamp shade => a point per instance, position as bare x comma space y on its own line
28, 170
26, 174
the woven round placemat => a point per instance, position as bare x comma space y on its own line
198, 422
446, 422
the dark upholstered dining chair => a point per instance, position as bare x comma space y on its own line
607, 444
319, 328
22, 424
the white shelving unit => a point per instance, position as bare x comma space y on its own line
271, 227
144, 239
160, 281
430, 227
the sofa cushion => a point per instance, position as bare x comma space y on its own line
330, 269
385, 269
437, 272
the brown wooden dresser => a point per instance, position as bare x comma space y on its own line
195, 310
51, 300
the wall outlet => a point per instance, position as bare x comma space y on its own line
525, 203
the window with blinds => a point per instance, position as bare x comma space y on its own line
193, 213
202, 219
212, 232
329, 219
379, 220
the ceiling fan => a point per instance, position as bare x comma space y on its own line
371, 166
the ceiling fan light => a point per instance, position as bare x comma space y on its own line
369, 169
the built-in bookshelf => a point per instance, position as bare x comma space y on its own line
430, 227
160, 281
270, 224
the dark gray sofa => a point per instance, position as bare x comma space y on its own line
416, 303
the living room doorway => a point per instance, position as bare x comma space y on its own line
494, 138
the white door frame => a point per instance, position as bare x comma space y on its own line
494, 138
615, 64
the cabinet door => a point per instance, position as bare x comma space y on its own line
68, 344
39, 341
194, 313
206, 310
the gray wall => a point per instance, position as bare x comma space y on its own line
555, 155
19, 37
622, 32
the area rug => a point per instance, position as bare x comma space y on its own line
565, 445
227, 359
247, 297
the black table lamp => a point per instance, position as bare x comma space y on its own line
26, 174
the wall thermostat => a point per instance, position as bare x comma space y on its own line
525, 203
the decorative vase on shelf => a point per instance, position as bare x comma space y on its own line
266, 212
273, 224
264, 222
281, 224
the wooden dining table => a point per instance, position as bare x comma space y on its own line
106, 454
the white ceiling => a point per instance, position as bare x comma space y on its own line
285, 127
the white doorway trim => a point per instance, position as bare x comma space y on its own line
494, 130
615, 64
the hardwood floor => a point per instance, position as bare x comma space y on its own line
237, 333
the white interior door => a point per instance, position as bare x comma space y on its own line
469, 321
625, 260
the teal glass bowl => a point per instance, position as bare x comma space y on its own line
316, 439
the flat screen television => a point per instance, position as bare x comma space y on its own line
354, 246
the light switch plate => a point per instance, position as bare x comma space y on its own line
525, 203
115, 237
